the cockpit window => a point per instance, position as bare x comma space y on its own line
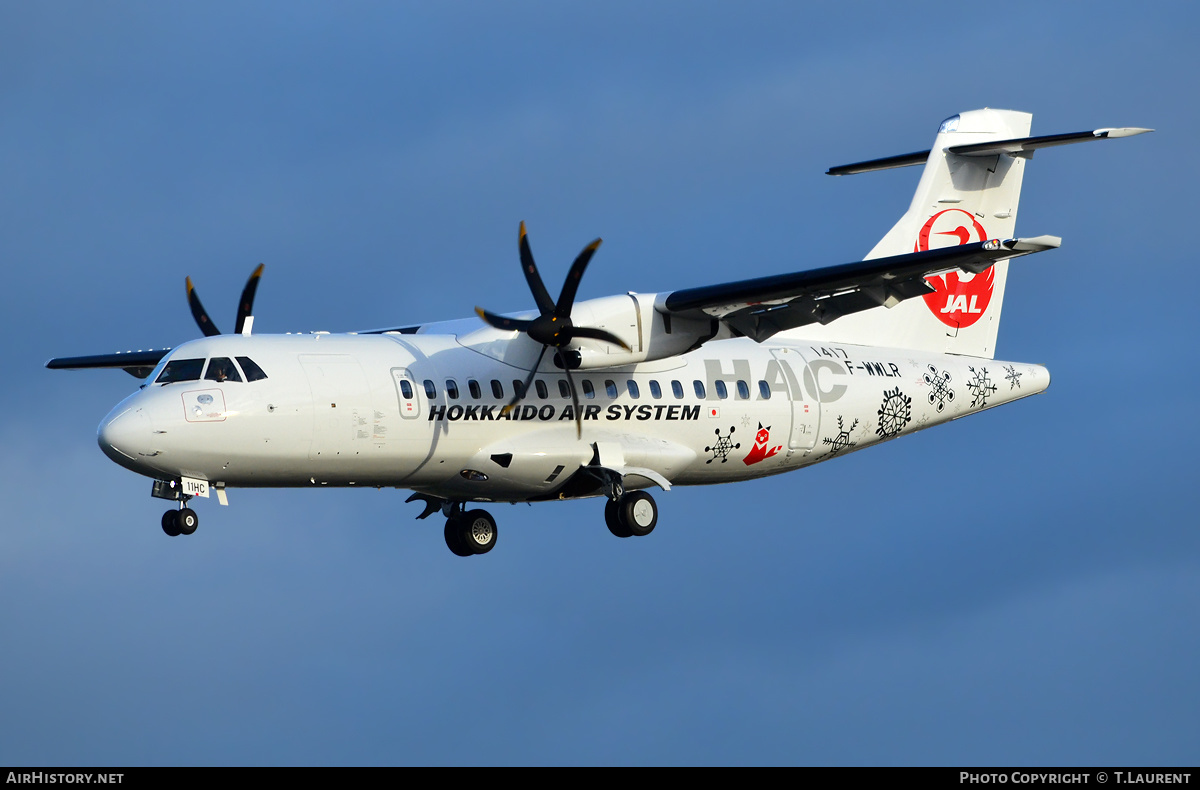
253, 372
181, 370
221, 369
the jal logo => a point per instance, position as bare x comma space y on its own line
958, 299
762, 440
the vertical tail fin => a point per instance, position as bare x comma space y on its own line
963, 198
959, 199
969, 191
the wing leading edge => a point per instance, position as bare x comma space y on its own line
761, 307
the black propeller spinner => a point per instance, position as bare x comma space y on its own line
553, 328
245, 306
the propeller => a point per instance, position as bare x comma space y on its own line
245, 306
553, 328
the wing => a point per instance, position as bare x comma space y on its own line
761, 307
138, 364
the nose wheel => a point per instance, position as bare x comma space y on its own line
180, 522
472, 532
634, 514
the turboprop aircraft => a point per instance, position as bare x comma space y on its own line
608, 397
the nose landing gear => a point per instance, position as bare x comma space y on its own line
176, 522
180, 522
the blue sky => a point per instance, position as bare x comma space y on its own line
1017, 588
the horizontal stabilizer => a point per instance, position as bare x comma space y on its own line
887, 163
1021, 146
1025, 146
138, 364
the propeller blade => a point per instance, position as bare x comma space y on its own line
599, 334
567, 298
562, 361
540, 294
202, 320
500, 322
525, 387
246, 306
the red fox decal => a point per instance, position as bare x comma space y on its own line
759, 451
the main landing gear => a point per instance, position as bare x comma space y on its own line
631, 514
470, 532
180, 522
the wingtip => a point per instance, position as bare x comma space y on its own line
1125, 131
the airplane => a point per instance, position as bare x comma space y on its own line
611, 396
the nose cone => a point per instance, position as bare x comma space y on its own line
125, 437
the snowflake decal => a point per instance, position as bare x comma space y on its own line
723, 447
894, 414
939, 388
842, 440
1012, 377
981, 386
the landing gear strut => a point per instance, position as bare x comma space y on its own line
634, 513
175, 522
472, 532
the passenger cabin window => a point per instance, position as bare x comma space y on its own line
430, 389
655, 390
633, 388
222, 369
698, 385
406, 389
564, 391
181, 370
497, 389
473, 386
451, 389
677, 390
542, 392
764, 390
588, 390
610, 387
722, 393
518, 388
253, 372
743, 390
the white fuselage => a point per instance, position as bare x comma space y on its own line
355, 410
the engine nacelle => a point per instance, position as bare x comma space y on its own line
638, 319
650, 334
